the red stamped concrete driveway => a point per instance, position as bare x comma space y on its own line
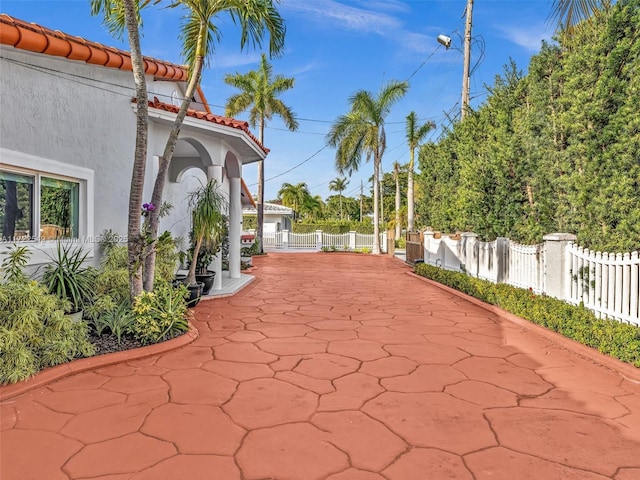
336, 367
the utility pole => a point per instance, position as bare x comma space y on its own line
361, 197
381, 197
467, 60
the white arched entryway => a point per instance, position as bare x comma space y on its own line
222, 166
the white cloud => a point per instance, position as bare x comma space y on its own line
529, 38
231, 60
371, 18
358, 19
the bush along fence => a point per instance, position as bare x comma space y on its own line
316, 241
611, 337
605, 283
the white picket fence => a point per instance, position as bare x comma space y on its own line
606, 283
286, 240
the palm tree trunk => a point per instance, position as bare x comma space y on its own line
376, 206
398, 223
260, 205
341, 215
165, 160
410, 200
135, 243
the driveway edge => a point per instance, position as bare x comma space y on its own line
625, 370
63, 370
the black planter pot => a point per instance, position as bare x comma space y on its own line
179, 279
195, 293
207, 279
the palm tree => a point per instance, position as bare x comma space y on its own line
361, 132
312, 207
567, 14
339, 185
118, 16
255, 18
293, 196
415, 134
260, 91
199, 32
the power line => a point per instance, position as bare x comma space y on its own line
292, 168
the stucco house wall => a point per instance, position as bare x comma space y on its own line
76, 121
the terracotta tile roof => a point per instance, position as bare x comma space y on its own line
34, 38
209, 117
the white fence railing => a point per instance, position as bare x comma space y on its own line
606, 283
286, 240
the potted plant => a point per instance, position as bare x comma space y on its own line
208, 250
207, 205
68, 277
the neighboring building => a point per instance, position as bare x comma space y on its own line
67, 136
276, 217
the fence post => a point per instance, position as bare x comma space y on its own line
352, 240
285, 239
469, 242
319, 240
555, 268
428, 237
502, 257
391, 243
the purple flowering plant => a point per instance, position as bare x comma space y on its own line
147, 208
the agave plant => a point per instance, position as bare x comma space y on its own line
68, 277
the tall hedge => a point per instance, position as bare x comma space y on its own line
554, 150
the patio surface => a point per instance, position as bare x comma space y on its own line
336, 367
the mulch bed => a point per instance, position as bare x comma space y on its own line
109, 343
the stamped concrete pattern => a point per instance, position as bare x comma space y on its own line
335, 367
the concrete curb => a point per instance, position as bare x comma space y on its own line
626, 370
63, 370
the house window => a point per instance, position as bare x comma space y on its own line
38, 207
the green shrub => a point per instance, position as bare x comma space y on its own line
34, 331
161, 314
14, 263
167, 257
249, 222
113, 277
619, 340
333, 227
117, 321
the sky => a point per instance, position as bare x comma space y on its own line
334, 48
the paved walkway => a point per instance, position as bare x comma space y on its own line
335, 367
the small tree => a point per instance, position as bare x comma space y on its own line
207, 205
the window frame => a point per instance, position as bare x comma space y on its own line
30, 165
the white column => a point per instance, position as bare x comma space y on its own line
235, 226
215, 172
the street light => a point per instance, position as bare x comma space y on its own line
444, 40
